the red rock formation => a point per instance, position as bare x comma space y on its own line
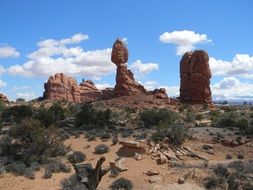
88, 91
3, 98
160, 93
195, 77
61, 86
125, 82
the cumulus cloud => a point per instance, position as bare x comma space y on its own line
185, 40
26, 95
2, 83
8, 51
172, 91
103, 86
64, 56
231, 88
143, 68
241, 65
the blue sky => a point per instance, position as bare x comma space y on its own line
39, 38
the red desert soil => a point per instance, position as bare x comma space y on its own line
136, 169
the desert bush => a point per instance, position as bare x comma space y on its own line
175, 133
152, 117
55, 166
91, 138
105, 136
29, 173
190, 117
16, 113
122, 184
115, 140
199, 117
101, 149
72, 183
89, 116
34, 143
50, 116
76, 157
231, 119
212, 182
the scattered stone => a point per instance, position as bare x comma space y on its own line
181, 180
162, 159
154, 179
137, 156
229, 157
152, 172
133, 144
240, 156
119, 164
207, 146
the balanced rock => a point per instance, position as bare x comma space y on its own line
125, 82
88, 91
61, 86
3, 98
195, 77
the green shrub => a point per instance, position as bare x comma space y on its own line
50, 116
34, 143
199, 117
175, 133
105, 136
115, 140
89, 116
101, 149
231, 119
91, 138
122, 184
17, 113
55, 166
76, 157
190, 117
72, 183
152, 117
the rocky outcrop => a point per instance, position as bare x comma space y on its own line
61, 86
64, 87
160, 93
125, 82
195, 77
3, 98
88, 91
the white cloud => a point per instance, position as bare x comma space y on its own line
103, 86
241, 65
143, 68
185, 40
8, 51
21, 87
2, 83
27, 95
172, 91
231, 88
2, 70
55, 56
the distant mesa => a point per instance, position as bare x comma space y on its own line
195, 77
125, 82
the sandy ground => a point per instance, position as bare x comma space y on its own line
136, 169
